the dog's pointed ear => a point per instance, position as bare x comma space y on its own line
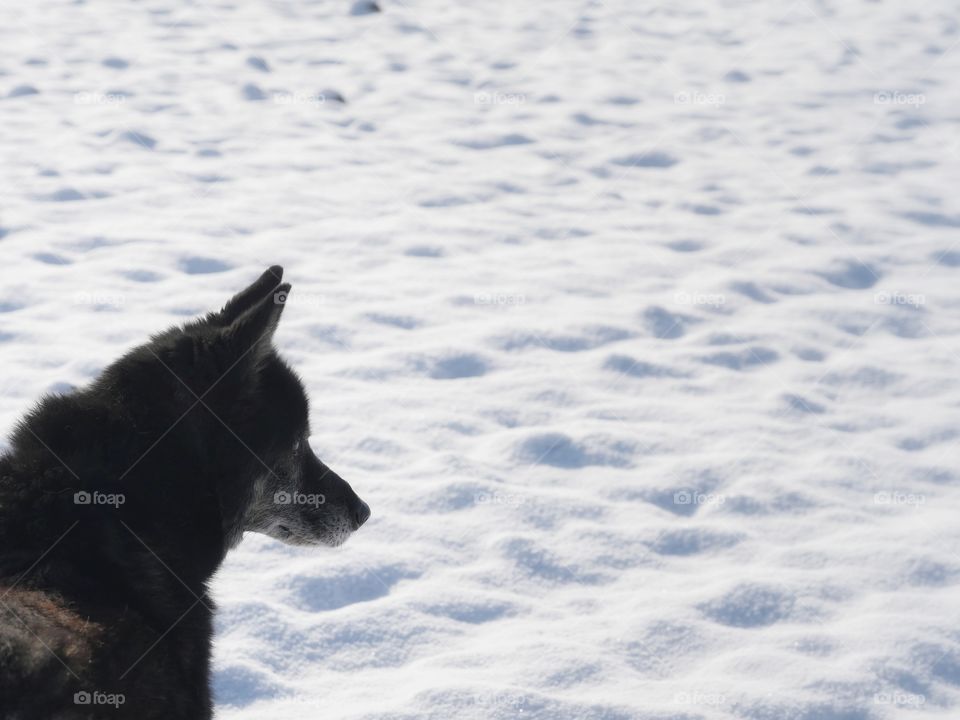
254, 328
266, 285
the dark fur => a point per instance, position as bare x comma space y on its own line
112, 598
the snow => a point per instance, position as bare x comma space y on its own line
635, 323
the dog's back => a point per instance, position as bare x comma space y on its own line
77, 639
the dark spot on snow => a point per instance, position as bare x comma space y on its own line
752, 291
632, 367
909, 122
404, 322
141, 275
950, 258
932, 219
691, 541
685, 246
66, 194
590, 338
473, 611
653, 159
321, 594
750, 605
253, 93
864, 377
258, 63
331, 95
495, 142
458, 366
622, 100
559, 450
203, 266
424, 251
743, 360
586, 119
365, 7
704, 209
139, 139
802, 405
662, 324
823, 170
809, 354
240, 685
23, 90
538, 562
51, 259
852, 275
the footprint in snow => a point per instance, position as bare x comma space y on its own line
948, 258
144, 276
495, 142
798, 404
587, 339
866, 376
453, 497
852, 275
430, 251
746, 359
629, 366
932, 219
685, 246
737, 76
692, 541
361, 584
750, 605
698, 209
67, 194
23, 91
809, 354
753, 291
471, 611
203, 266
139, 139
51, 259
453, 367
365, 7
258, 63
240, 685
562, 451
536, 561
253, 93
404, 322
653, 159
664, 325
679, 501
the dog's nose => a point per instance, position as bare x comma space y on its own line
361, 511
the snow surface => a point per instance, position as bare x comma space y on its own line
636, 323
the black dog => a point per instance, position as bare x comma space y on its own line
119, 501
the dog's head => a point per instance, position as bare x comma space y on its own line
256, 409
